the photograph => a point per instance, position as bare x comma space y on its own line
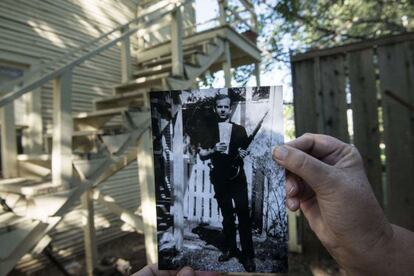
220, 196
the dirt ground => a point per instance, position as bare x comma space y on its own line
131, 247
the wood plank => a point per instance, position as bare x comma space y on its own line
333, 97
365, 115
396, 72
147, 188
63, 128
8, 141
227, 64
177, 44
126, 68
304, 92
178, 176
91, 250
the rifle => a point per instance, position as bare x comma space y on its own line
236, 167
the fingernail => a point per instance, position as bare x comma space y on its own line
280, 153
186, 271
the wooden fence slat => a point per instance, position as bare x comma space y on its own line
306, 92
396, 73
365, 115
332, 77
304, 97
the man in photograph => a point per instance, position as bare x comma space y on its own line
225, 145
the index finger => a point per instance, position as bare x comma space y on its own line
317, 145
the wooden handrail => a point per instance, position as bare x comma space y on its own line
31, 85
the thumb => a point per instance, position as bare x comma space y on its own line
310, 169
186, 271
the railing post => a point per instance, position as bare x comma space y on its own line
62, 130
126, 69
8, 141
177, 43
147, 191
91, 251
227, 64
222, 11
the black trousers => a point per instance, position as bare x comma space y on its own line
226, 193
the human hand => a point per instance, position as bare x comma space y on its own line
243, 153
152, 270
220, 147
326, 180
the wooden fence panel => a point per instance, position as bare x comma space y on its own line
365, 115
396, 83
332, 84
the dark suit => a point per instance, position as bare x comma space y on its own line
229, 188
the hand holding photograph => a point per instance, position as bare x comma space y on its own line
220, 196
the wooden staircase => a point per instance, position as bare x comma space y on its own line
101, 143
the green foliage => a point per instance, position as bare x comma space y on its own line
299, 25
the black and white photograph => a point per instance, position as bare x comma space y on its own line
220, 196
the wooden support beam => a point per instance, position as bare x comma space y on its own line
91, 250
227, 64
177, 43
126, 67
33, 135
257, 73
222, 12
62, 131
8, 142
147, 189
178, 179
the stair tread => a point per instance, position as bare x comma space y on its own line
111, 111
29, 187
143, 80
122, 96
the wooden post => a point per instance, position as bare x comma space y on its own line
126, 69
62, 130
178, 179
177, 43
147, 189
227, 64
33, 136
257, 73
222, 11
91, 251
8, 142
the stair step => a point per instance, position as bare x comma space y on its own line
167, 59
155, 69
27, 187
94, 120
156, 82
129, 99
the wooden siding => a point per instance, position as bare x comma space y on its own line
43, 30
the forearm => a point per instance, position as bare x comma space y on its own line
393, 257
